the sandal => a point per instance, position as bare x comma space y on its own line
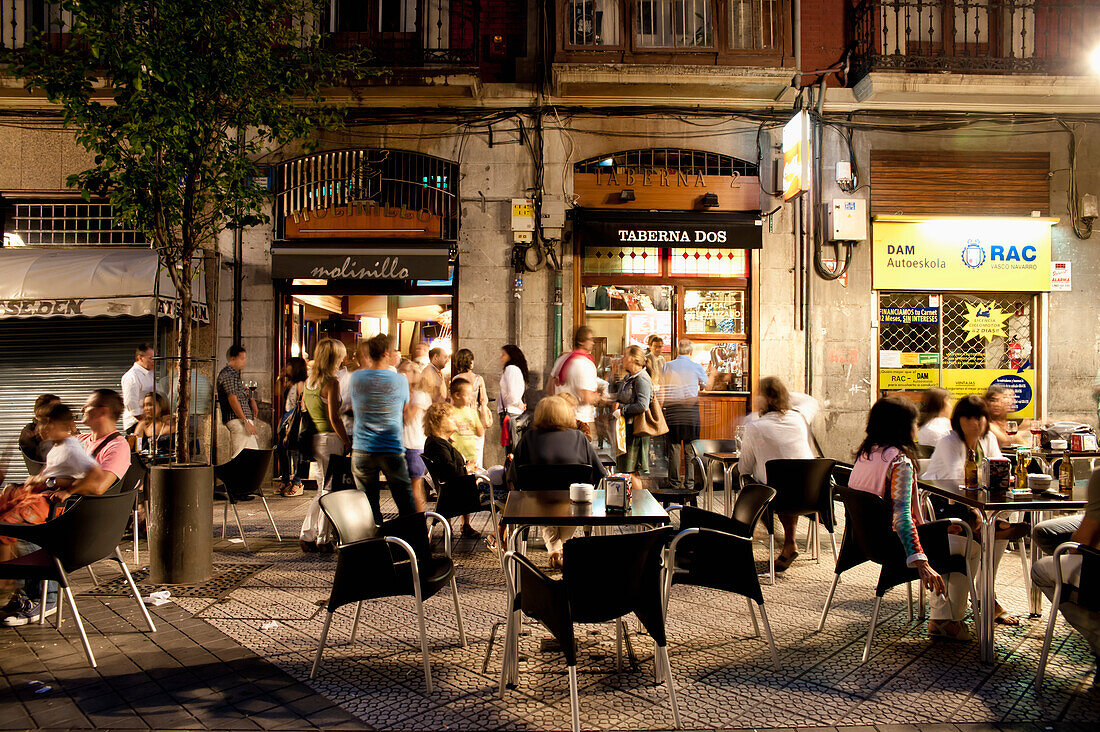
292, 490
783, 561
1002, 617
555, 561
935, 630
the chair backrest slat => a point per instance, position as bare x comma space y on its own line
552, 477
89, 530
351, 515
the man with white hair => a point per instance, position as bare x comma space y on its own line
682, 379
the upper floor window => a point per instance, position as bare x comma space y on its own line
674, 24
592, 23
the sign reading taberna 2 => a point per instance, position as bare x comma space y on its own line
943, 254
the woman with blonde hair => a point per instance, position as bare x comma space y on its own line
414, 435
633, 393
321, 400
555, 440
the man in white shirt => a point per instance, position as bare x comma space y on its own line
136, 383
574, 373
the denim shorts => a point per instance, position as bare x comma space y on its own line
417, 468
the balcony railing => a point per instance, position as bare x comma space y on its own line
734, 32
974, 36
406, 33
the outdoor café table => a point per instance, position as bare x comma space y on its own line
553, 508
989, 508
729, 462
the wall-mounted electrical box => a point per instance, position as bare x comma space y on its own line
847, 220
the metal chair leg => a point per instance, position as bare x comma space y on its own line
458, 613
871, 630
921, 613
828, 602
60, 610
95, 579
752, 614
137, 538
424, 643
574, 702
270, 518
355, 623
768, 632
134, 589
80, 627
225, 516
836, 554
909, 595
42, 602
1056, 602
321, 645
771, 557
1025, 565
237, 518
662, 659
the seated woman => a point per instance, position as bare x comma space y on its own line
449, 466
554, 440
1001, 402
153, 432
780, 433
935, 416
970, 433
885, 467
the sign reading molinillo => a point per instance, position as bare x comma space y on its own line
961, 254
363, 264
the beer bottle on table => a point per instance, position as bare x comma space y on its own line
1023, 458
970, 471
1065, 474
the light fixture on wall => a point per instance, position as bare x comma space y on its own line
709, 200
626, 194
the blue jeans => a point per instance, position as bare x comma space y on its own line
33, 590
365, 467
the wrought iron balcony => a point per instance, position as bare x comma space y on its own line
406, 33
974, 36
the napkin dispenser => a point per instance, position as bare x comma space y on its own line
616, 492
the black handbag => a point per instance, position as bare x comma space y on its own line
297, 430
339, 477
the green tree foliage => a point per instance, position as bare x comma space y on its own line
177, 99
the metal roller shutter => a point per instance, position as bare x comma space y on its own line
69, 357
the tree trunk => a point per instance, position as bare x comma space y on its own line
183, 391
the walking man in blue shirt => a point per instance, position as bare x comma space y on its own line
379, 397
682, 380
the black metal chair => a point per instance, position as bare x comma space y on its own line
384, 560
711, 474
714, 551
34, 467
603, 578
803, 488
242, 479
869, 537
88, 531
1085, 594
925, 451
554, 477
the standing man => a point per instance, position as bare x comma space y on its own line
380, 396
683, 377
435, 384
136, 383
237, 406
575, 373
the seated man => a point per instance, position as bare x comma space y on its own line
1043, 575
109, 452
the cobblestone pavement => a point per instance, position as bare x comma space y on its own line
244, 650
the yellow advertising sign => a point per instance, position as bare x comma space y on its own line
961, 254
1021, 384
907, 378
796, 155
984, 321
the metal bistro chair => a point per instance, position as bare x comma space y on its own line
803, 488
88, 531
714, 551
869, 537
34, 467
1085, 594
603, 579
243, 479
712, 472
384, 560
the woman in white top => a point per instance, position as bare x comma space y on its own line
513, 384
413, 434
970, 432
935, 416
780, 433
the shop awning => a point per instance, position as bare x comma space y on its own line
365, 263
741, 230
67, 283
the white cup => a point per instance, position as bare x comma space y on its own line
581, 492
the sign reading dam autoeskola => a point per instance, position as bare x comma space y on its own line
962, 254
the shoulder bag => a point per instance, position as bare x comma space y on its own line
652, 421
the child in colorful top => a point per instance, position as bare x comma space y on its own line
885, 467
466, 419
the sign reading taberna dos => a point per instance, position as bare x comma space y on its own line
961, 254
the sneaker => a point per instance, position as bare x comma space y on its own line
19, 603
30, 615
